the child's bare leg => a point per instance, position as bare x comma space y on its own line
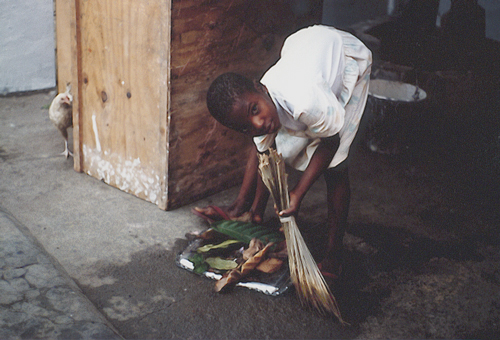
338, 199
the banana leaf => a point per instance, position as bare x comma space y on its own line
223, 245
221, 264
246, 231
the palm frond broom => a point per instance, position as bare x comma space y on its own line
304, 272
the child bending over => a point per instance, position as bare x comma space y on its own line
308, 106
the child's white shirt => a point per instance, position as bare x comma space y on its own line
319, 86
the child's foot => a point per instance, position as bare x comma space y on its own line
331, 271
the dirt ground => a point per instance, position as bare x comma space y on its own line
429, 220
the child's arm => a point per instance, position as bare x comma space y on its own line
319, 162
253, 194
246, 194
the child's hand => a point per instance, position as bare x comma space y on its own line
293, 210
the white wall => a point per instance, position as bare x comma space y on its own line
27, 56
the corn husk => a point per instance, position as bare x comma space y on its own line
304, 272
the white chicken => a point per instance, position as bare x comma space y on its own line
61, 114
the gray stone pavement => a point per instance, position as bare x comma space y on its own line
37, 298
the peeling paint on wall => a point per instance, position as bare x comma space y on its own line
128, 175
96, 133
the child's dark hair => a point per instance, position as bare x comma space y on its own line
224, 91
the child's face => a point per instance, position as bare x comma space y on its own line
254, 114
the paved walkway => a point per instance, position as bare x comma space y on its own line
37, 298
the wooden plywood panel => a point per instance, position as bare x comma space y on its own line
67, 61
123, 87
141, 70
66, 43
209, 38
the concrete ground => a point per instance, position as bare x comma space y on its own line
422, 257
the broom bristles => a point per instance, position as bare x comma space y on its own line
310, 284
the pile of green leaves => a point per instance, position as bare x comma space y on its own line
246, 231
235, 234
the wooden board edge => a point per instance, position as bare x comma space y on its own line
165, 104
